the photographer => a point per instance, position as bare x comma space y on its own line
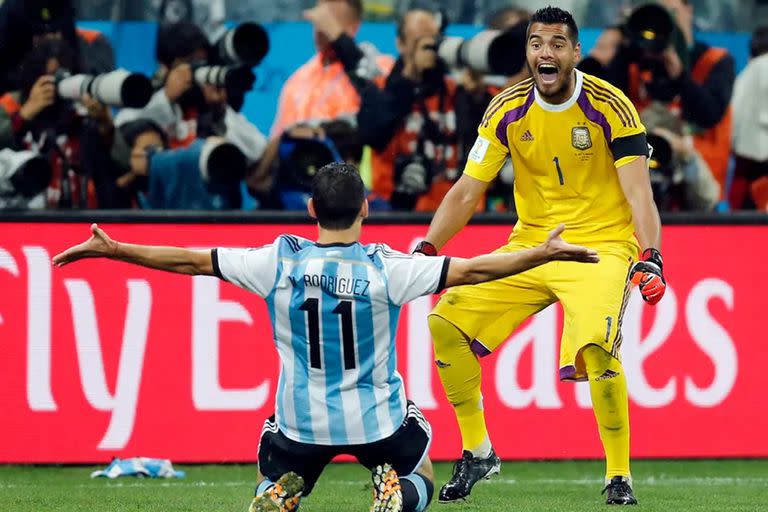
410, 122
691, 77
205, 175
475, 92
187, 110
71, 136
680, 178
750, 128
316, 121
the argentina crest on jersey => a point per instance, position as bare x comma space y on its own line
580, 138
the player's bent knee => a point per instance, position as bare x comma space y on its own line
443, 331
596, 359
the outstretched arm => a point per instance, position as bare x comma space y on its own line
496, 266
170, 259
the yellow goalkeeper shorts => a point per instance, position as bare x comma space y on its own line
593, 296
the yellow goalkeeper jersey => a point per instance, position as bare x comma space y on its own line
565, 159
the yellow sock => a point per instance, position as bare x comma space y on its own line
459, 371
608, 388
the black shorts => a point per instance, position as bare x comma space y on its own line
405, 450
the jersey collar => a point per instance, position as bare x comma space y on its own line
566, 105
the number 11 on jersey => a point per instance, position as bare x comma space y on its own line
559, 171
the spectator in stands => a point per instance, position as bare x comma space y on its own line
321, 89
750, 128
70, 136
205, 175
474, 93
410, 122
128, 159
681, 179
185, 109
320, 101
698, 83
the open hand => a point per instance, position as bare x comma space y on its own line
558, 249
98, 246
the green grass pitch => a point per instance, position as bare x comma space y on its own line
689, 486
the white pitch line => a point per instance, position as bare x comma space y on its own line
140, 483
646, 481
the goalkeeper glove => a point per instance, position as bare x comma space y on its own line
425, 248
648, 275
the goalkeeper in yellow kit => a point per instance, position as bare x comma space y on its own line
579, 152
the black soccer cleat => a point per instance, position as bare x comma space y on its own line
619, 492
467, 471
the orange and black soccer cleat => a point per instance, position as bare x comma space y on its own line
387, 495
284, 496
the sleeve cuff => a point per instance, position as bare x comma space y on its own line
347, 51
215, 262
443, 274
17, 122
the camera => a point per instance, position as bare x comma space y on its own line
649, 31
246, 43
232, 77
119, 88
413, 176
205, 175
23, 175
300, 159
217, 162
664, 171
491, 51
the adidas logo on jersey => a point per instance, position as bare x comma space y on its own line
527, 136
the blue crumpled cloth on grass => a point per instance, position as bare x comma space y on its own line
140, 466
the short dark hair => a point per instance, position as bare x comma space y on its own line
338, 194
555, 16
177, 40
132, 129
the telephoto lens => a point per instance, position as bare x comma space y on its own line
119, 88
246, 43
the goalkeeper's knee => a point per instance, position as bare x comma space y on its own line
457, 365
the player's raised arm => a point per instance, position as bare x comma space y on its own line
454, 211
170, 259
636, 184
647, 273
496, 266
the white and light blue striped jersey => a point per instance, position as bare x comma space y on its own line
334, 311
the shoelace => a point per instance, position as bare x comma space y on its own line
622, 487
459, 465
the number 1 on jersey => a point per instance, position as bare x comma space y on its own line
559, 171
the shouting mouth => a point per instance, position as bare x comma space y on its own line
548, 73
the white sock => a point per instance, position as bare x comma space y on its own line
483, 450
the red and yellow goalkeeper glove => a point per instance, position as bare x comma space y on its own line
648, 275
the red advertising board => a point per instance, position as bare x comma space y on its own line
103, 359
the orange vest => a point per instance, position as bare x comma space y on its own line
713, 144
89, 36
9, 104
